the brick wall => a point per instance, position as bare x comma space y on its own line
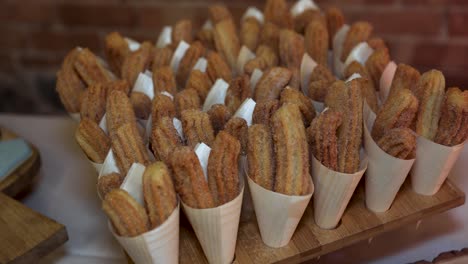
35, 35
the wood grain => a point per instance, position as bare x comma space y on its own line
309, 241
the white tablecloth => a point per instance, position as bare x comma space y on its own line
66, 192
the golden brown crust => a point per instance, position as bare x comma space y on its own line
277, 12
399, 143
265, 58
377, 43
182, 30
358, 32
291, 48
237, 127
137, 62
164, 138
189, 180
430, 92
335, 20
272, 83
164, 80
159, 194
238, 91
321, 80
193, 53
260, 156
218, 68
141, 105
223, 168
92, 140
93, 103
295, 81
186, 99
126, 215
250, 33
90, 68
115, 49
219, 12
119, 111
356, 67
453, 124
121, 85
200, 82
316, 42
206, 37
307, 16
369, 94
269, 36
323, 138
406, 77
219, 116
398, 111
69, 85
197, 127
226, 41
303, 102
376, 64
108, 182
161, 58
128, 147
263, 112
291, 151
162, 106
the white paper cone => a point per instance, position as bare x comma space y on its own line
360, 53
97, 166
333, 190
307, 67
178, 126
75, 116
216, 95
133, 45
245, 54
103, 124
178, 55
254, 78
165, 37
353, 76
385, 174
386, 80
277, 214
338, 41
302, 5
246, 110
167, 94
144, 84
216, 229
201, 64
109, 165
255, 13
203, 153
160, 245
133, 182
208, 25
432, 166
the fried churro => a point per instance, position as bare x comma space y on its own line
376, 64
263, 112
226, 41
205, 36
162, 106
237, 127
272, 83
250, 33
453, 124
358, 32
161, 58
189, 180
164, 138
305, 18
93, 140
291, 151
323, 138
200, 82
182, 31
193, 53
291, 48
93, 103
90, 68
219, 12
69, 85
335, 20
320, 81
238, 91
141, 105
316, 42
265, 58
136, 62
377, 43
269, 36
119, 111
219, 116
356, 67
223, 168
197, 127
260, 156
406, 77
399, 143
277, 12
217, 67
164, 80
186, 99
295, 81
398, 111
289, 95
128, 147
159, 193
126, 215
108, 182
115, 49
430, 92
121, 85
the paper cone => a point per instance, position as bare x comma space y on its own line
255, 13
109, 165
432, 166
254, 78
103, 124
208, 25
133, 45
359, 53
385, 174
245, 110
307, 67
133, 182
164, 37
160, 245
216, 228
386, 80
277, 214
203, 153
353, 76
144, 84
75, 116
338, 41
201, 64
245, 54
302, 5
178, 55
333, 192
216, 95
97, 166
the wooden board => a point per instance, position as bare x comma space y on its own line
25, 235
310, 241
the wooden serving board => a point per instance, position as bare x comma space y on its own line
25, 235
309, 241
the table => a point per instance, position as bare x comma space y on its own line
66, 192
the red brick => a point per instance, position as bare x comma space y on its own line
102, 15
63, 40
458, 23
20, 12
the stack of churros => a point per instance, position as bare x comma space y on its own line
293, 90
